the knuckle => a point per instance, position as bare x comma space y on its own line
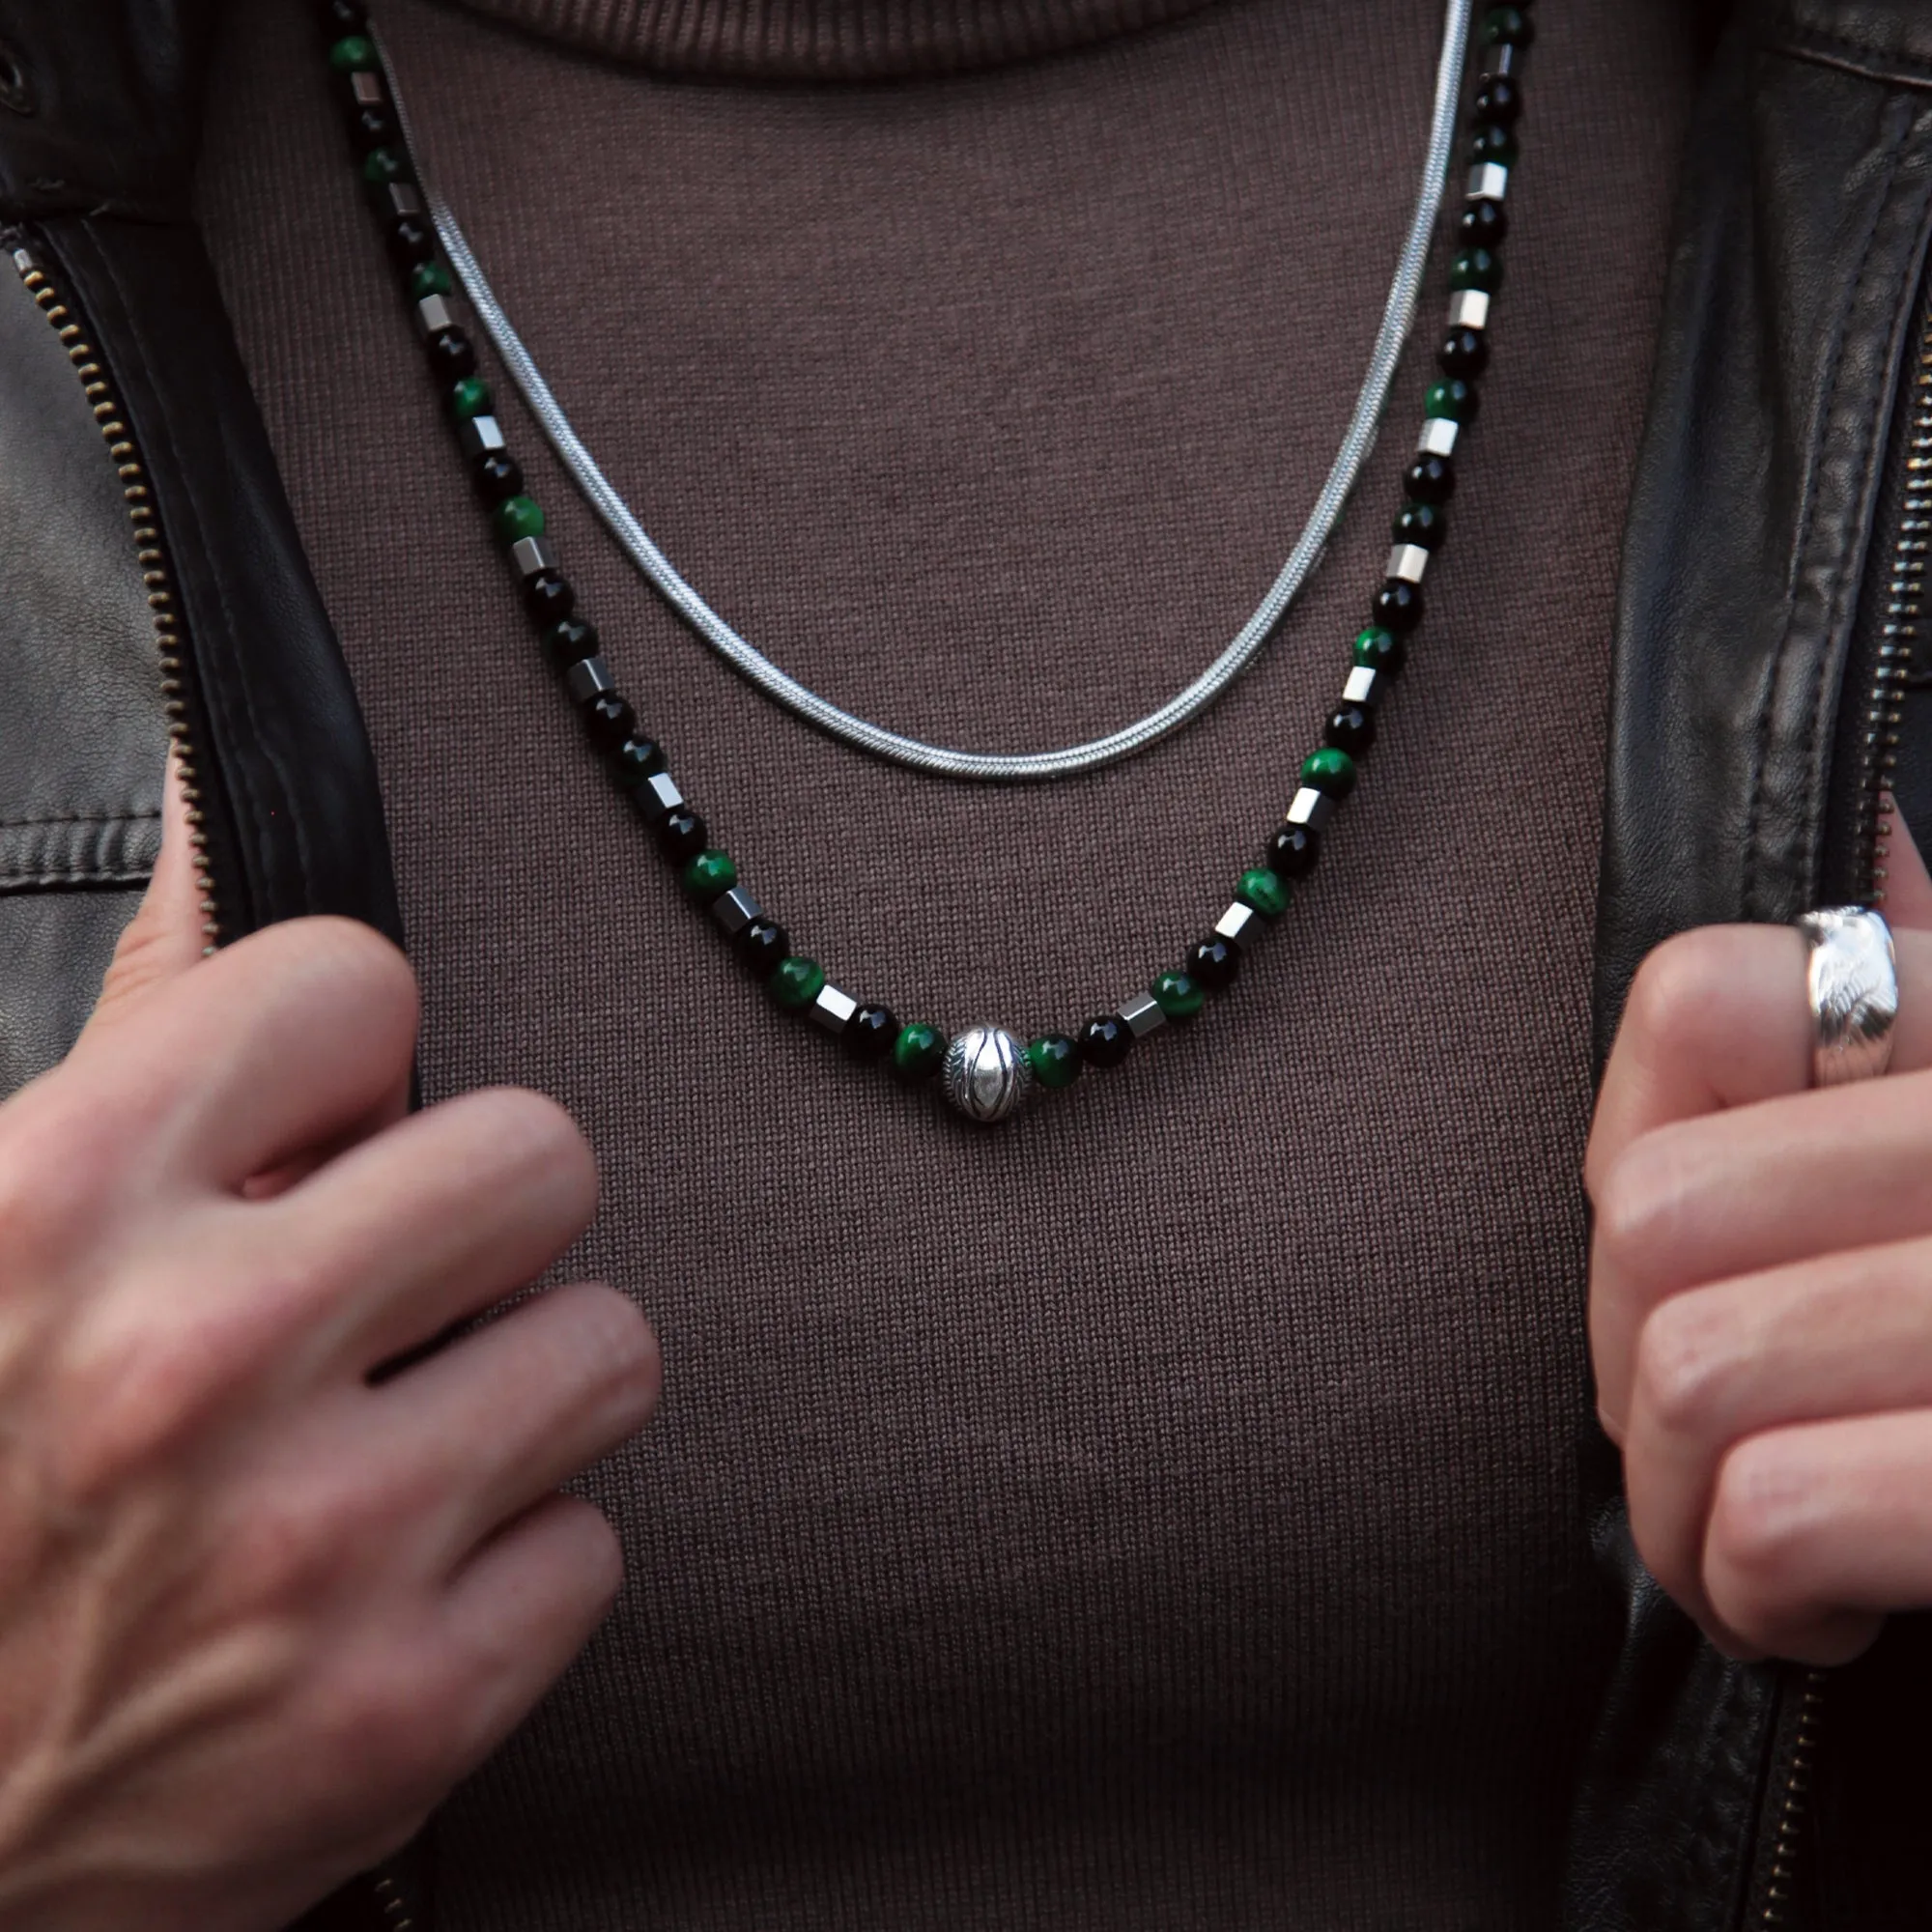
396, 1729
1636, 1210
369, 984
616, 1353
291, 1546
1671, 1001
1759, 1545
1688, 1367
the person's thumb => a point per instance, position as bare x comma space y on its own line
166, 936
1908, 887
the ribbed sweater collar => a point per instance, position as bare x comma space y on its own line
830, 39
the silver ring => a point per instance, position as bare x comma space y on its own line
1853, 979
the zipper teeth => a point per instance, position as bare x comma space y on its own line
150, 554
395, 1908
1904, 592
1778, 1892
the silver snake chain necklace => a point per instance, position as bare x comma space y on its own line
881, 742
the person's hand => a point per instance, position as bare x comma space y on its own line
260, 1605
1761, 1291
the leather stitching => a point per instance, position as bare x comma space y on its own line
1808, 510
79, 819
1819, 49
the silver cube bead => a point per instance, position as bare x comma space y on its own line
735, 910
1489, 182
480, 436
398, 202
1310, 808
588, 678
1470, 308
530, 555
1234, 923
1364, 686
365, 89
657, 795
1438, 437
1407, 562
833, 1010
434, 313
1141, 1014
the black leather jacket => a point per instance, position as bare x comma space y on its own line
1771, 572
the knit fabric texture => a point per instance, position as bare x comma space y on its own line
1161, 1511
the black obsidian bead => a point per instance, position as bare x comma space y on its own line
1351, 730
1423, 525
548, 596
681, 836
410, 241
1464, 353
1500, 99
1105, 1040
340, 18
609, 721
1214, 962
1294, 850
638, 759
869, 1033
1430, 479
370, 128
451, 354
1482, 224
1507, 26
570, 640
1490, 143
1397, 607
498, 475
761, 946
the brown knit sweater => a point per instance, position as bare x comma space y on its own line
1160, 1513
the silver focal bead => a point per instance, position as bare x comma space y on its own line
986, 1073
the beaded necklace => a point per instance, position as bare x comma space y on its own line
985, 1070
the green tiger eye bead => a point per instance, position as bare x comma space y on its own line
1477, 269
711, 874
470, 397
1452, 397
382, 165
919, 1052
1055, 1059
1264, 888
1178, 995
1377, 649
517, 518
1329, 771
354, 53
797, 982
429, 278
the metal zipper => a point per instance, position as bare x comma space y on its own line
1890, 665
1772, 1908
150, 552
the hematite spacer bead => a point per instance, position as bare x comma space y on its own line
734, 911
1351, 730
869, 1033
1438, 437
761, 946
1397, 607
1464, 353
608, 719
1498, 99
1505, 59
435, 313
681, 835
656, 796
1424, 525
1142, 1014
532, 557
397, 201
480, 436
1362, 687
1214, 962
1294, 850
1430, 479
588, 678
1105, 1040
639, 759
833, 1010
366, 89
451, 354
549, 597
986, 1073
1482, 224
568, 640
1489, 180
1236, 921
1407, 564
497, 477
1470, 308
1311, 806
